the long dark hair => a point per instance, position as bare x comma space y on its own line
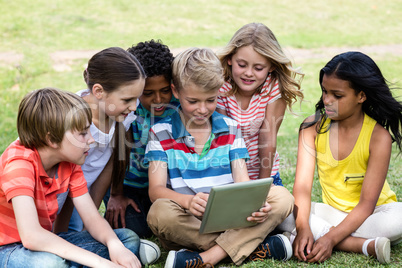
114, 67
363, 74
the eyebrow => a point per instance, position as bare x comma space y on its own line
153, 89
128, 99
332, 90
258, 63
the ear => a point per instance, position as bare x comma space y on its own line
362, 97
174, 91
272, 68
51, 143
98, 91
230, 61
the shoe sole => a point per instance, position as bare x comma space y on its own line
149, 252
383, 249
170, 259
287, 245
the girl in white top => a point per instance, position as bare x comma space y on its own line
115, 80
259, 86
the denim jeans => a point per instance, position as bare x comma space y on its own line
16, 256
277, 179
136, 221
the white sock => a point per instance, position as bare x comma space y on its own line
292, 238
365, 245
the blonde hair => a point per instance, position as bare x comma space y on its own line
199, 66
46, 114
265, 43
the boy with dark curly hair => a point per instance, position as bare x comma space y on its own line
129, 202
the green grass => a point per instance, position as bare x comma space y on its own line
35, 30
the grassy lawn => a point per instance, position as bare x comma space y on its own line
32, 32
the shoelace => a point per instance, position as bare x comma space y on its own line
197, 263
261, 253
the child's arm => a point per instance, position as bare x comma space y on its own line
157, 173
100, 229
63, 218
117, 205
102, 183
36, 238
302, 190
268, 133
377, 168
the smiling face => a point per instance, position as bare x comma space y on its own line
75, 145
249, 68
340, 100
157, 94
123, 100
197, 105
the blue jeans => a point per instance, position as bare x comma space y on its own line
136, 221
277, 179
15, 255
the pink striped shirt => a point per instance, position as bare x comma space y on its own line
251, 120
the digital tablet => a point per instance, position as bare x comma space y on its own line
229, 205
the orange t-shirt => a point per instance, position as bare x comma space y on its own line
22, 173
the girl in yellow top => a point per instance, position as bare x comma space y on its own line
350, 139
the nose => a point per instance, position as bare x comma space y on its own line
90, 138
248, 71
203, 108
326, 99
133, 106
158, 98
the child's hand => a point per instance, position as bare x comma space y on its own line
261, 215
116, 208
322, 250
303, 244
124, 257
198, 204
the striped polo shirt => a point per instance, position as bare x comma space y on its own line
137, 174
189, 172
251, 119
22, 173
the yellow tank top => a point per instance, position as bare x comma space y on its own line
341, 181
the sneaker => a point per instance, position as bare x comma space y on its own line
149, 252
185, 259
383, 249
276, 247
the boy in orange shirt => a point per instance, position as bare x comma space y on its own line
54, 139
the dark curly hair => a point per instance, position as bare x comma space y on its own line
155, 58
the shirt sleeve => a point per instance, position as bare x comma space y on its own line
18, 178
78, 184
154, 150
271, 91
221, 102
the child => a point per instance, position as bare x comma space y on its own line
192, 151
130, 203
349, 139
115, 80
259, 85
54, 139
